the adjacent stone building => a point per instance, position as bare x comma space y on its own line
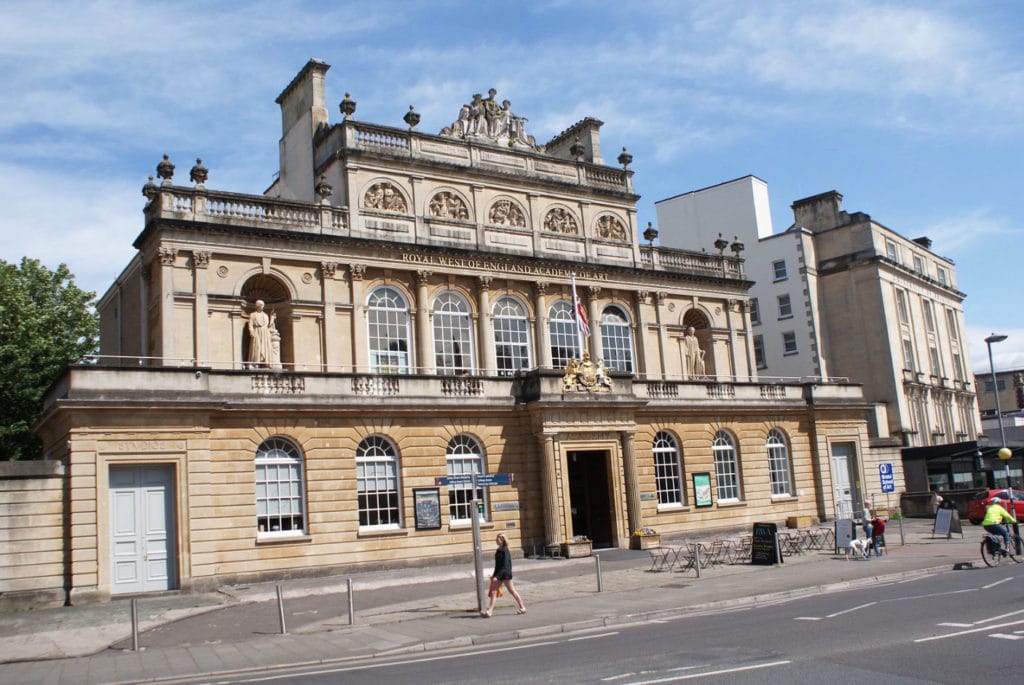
306, 380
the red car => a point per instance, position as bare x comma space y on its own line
976, 507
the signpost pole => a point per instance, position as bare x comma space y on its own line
477, 551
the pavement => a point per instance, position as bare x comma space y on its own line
237, 629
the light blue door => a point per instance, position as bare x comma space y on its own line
143, 543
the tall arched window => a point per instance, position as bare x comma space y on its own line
727, 467
464, 458
668, 470
388, 320
453, 335
562, 328
778, 463
377, 483
616, 340
280, 491
511, 336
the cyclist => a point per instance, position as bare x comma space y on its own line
993, 521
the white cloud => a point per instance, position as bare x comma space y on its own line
1006, 355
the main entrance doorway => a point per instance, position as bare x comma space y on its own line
589, 496
842, 461
142, 539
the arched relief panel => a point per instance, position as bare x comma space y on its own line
608, 226
559, 218
446, 203
505, 211
385, 195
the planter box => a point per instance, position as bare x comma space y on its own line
799, 521
571, 550
644, 541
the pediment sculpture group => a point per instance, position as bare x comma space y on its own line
584, 374
485, 118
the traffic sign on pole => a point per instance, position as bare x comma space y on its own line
885, 473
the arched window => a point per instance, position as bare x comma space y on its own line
778, 463
668, 470
616, 340
511, 336
280, 492
377, 483
388, 320
727, 467
562, 329
464, 458
453, 335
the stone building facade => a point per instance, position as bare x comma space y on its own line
286, 380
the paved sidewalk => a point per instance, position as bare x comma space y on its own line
411, 610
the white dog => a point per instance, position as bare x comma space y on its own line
858, 547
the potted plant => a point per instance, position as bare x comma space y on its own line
644, 538
577, 546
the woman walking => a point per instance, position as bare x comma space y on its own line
502, 575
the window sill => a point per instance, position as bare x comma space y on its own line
380, 532
468, 525
783, 317
731, 503
281, 539
672, 508
790, 354
785, 498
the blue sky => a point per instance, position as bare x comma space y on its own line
911, 110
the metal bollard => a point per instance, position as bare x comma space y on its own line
901, 531
696, 559
135, 625
597, 563
351, 605
280, 610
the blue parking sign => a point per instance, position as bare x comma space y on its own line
885, 473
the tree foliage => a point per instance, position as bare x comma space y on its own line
46, 323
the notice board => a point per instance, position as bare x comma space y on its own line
764, 548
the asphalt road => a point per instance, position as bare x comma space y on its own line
952, 627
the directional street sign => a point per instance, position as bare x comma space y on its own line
483, 480
885, 473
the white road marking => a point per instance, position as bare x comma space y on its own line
590, 637
1004, 636
807, 618
998, 582
1000, 616
692, 676
963, 632
956, 625
846, 611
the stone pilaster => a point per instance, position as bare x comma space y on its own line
485, 327
361, 345
424, 358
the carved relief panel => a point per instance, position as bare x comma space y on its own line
504, 212
610, 228
561, 220
385, 197
448, 205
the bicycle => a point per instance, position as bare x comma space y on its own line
992, 551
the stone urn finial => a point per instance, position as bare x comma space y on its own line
412, 118
651, 234
721, 243
323, 189
165, 170
150, 189
625, 159
199, 173
347, 106
577, 149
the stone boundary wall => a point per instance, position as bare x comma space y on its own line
31, 534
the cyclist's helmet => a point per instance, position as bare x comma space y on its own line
995, 500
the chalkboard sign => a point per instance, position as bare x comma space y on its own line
764, 549
845, 533
428, 508
947, 522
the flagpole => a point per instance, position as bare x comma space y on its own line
576, 318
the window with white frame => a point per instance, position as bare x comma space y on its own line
280, 491
918, 264
453, 335
785, 307
464, 457
789, 343
933, 355
779, 270
727, 467
616, 340
377, 484
668, 470
909, 359
943, 275
759, 351
755, 311
562, 330
892, 251
388, 331
929, 315
778, 464
511, 336
902, 312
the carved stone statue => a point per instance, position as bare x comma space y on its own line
275, 342
585, 375
693, 354
446, 205
484, 119
559, 220
260, 343
384, 196
611, 228
506, 213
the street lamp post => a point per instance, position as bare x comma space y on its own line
1004, 452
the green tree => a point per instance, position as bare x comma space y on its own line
46, 323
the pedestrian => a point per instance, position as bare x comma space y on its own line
878, 534
502, 576
866, 516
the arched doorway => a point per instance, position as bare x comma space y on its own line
277, 308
